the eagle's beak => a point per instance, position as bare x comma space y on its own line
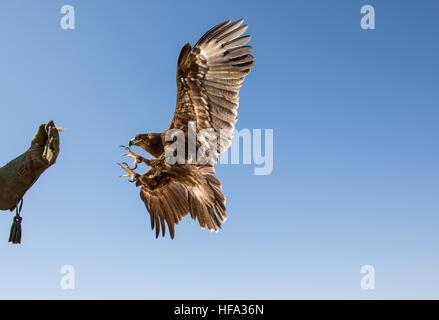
133, 141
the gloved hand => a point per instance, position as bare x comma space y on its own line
44, 148
21, 173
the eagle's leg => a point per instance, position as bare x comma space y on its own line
129, 172
137, 159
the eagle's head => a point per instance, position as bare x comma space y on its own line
150, 142
140, 140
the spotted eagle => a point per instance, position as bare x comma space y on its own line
209, 76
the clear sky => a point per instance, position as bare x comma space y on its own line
355, 179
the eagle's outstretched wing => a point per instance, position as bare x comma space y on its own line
209, 77
170, 194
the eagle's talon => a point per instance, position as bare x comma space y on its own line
129, 172
137, 159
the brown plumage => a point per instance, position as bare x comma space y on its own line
209, 77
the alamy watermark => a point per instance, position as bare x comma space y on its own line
207, 147
67, 21
368, 20
68, 279
368, 280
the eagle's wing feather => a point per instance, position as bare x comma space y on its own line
175, 195
209, 77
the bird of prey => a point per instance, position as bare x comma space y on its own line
209, 76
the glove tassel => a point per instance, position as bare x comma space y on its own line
15, 235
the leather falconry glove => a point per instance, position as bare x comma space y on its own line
20, 174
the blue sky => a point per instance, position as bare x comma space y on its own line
355, 177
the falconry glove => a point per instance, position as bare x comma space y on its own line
20, 174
